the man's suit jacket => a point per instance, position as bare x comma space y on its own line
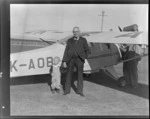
81, 48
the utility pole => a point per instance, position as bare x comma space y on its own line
103, 12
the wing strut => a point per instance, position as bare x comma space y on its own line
44, 41
136, 57
120, 29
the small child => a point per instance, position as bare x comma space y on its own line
56, 77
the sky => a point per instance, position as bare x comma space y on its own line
63, 17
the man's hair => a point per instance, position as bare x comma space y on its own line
76, 27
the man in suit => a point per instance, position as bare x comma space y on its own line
75, 53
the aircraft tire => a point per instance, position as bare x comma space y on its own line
122, 82
87, 75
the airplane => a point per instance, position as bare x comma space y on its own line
105, 53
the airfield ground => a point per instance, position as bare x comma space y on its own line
102, 97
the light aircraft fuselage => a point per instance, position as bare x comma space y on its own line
39, 61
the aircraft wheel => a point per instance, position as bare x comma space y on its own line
87, 75
122, 82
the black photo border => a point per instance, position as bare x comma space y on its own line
5, 51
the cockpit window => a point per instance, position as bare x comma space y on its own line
98, 47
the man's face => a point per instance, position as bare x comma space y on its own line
143, 48
76, 32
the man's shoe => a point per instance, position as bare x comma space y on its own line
136, 86
65, 93
53, 91
81, 94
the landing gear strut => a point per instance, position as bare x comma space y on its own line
112, 73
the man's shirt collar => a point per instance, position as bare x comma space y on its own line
76, 38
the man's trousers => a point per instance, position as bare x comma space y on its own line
130, 70
78, 63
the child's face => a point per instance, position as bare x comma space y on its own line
56, 60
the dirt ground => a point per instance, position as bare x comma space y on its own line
102, 97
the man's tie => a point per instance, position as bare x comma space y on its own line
75, 38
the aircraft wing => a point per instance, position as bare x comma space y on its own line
119, 37
49, 35
23, 37
64, 40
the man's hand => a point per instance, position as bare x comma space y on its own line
123, 49
64, 65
